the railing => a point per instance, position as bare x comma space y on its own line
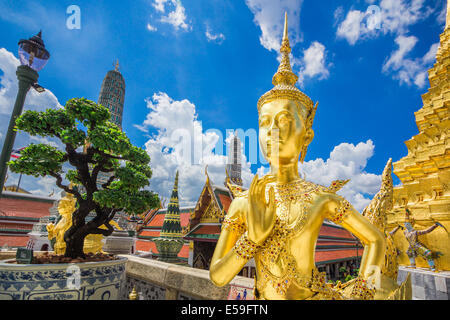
156, 280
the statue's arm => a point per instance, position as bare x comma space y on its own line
226, 263
395, 230
342, 212
428, 230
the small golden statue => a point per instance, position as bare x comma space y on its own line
277, 221
416, 248
93, 243
66, 207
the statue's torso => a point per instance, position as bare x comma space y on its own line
285, 265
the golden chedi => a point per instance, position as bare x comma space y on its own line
277, 221
425, 171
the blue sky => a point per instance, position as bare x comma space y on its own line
212, 60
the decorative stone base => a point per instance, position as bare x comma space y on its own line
119, 242
426, 284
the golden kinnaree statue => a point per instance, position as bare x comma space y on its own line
277, 221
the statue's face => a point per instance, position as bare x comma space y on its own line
408, 226
282, 131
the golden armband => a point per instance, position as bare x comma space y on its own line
361, 290
341, 211
233, 225
245, 248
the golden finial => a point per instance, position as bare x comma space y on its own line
133, 295
447, 24
116, 68
284, 74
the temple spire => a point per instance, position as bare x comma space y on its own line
116, 68
172, 225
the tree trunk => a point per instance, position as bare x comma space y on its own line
74, 246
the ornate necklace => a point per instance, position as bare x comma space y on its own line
274, 248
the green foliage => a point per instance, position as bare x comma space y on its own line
38, 160
93, 144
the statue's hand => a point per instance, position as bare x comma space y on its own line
261, 214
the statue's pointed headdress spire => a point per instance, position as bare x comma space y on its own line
284, 74
284, 81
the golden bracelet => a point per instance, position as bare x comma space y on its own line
361, 290
341, 211
245, 248
233, 225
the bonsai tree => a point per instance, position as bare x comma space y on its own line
92, 144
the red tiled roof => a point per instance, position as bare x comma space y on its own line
158, 219
329, 255
24, 207
184, 219
208, 229
149, 233
335, 232
184, 252
326, 242
13, 241
225, 200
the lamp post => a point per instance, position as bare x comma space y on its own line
33, 57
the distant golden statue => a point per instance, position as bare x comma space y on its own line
277, 221
93, 243
66, 207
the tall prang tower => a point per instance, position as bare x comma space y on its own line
234, 166
112, 94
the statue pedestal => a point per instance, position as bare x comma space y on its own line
426, 284
119, 242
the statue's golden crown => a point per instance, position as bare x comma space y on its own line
284, 83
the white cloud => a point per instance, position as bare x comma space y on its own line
181, 144
314, 62
269, 16
406, 70
150, 27
346, 161
388, 16
171, 12
218, 38
177, 17
159, 5
350, 28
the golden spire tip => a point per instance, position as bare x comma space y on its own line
285, 33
